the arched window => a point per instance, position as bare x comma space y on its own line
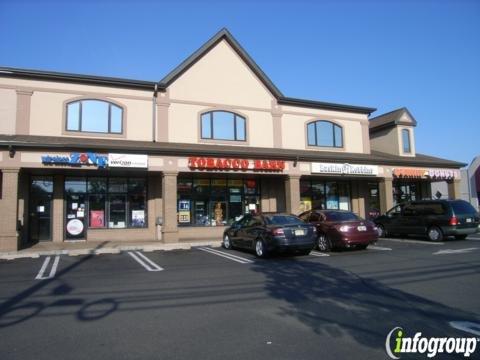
324, 133
96, 116
223, 125
406, 141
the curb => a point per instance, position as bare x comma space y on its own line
108, 250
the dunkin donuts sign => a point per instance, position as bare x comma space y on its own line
209, 163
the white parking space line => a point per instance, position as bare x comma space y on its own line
232, 257
414, 241
53, 270
452, 251
148, 264
381, 248
318, 253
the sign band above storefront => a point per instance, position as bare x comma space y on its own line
208, 163
426, 173
77, 159
344, 169
102, 161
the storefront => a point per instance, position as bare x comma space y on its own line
410, 184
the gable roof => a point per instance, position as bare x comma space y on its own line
224, 34
162, 85
30, 74
390, 119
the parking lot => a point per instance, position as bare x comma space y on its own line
210, 303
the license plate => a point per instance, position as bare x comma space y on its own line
299, 232
469, 220
362, 228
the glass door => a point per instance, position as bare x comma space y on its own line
75, 211
40, 208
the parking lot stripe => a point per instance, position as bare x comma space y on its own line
53, 270
414, 241
317, 253
225, 255
155, 266
452, 251
374, 247
145, 265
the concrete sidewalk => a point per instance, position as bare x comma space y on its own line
75, 248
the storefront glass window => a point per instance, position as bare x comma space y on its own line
316, 194
216, 201
75, 185
101, 202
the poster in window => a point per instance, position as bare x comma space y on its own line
138, 218
97, 218
305, 204
332, 203
344, 203
184, 217
184, 205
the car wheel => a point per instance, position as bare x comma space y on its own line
435, 234
461, 237
323, 243
381, 231
260, 249
227, 243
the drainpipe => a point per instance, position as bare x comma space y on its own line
154, 114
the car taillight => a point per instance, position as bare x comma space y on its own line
278, 232
453, 221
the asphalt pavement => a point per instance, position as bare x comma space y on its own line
211, 303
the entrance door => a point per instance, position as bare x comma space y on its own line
40, 208
75, 208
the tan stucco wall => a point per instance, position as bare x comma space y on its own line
47, 111
294, 134
385, 141
8, 109
222, 77
184, 125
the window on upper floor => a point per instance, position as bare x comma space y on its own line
406, 141
95, 116
324, 134
223, 125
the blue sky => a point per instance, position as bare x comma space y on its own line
424, 55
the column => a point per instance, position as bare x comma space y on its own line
8, 210
277, 124
163, 103
24, 98
385, 187
292, 194
169, 207
454, 189
57, 209
355, 197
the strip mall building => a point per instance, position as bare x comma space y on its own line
95, 158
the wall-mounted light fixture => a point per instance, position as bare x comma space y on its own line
11, 151
295, 162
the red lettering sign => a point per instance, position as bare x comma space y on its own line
203, 163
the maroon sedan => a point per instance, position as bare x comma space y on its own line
341, 229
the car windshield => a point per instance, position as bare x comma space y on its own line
341, 216
462, 207
283, 220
